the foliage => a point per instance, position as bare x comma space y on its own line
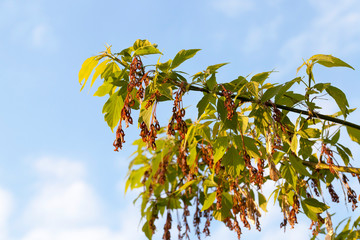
246, 135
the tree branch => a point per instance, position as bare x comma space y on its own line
290, 109
337, 168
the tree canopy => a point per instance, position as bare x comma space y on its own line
247, 132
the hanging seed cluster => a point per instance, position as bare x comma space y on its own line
351, 194
294, 211
177, 122
229, 103
329, 157
138, 80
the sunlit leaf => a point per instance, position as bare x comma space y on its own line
112, 109
209, 201
329, 61
182, 56
354, 134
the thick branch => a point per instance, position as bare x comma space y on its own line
290, 109
337, 168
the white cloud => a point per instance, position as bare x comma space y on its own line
42, 35
27, 24
61, 169
334, 29
259, 35
233, 8
66, 206
63, 205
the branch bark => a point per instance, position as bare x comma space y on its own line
290, 109
337, 168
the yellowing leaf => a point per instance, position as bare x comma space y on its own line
86, 69
354, 134
329, 61
99, 70
104, 89
209, 201
112, 109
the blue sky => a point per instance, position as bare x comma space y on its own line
59, 175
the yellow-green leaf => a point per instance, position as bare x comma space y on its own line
182, 56
329, 61
209, 201
354, 134
112, 109
98, 70
86, 69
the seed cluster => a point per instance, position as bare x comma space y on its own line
295, 210
329, 157
138, 78
229, 103
178, 114
333, 194
351, 194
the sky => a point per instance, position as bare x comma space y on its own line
59, 175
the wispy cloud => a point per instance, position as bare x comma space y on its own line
27, 24
233, 8
258, 35
334, 29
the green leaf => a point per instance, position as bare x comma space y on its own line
270, 93
146, 50
289, 174
86, 69
286, 87
166, 90
220, 146
220, 107
104, 89
343, 156
243, 122
262, 202
182, 56
335, 138
340, 99
202, 104
209, 201
164, 66
212, 69
329, 61
311, 207
251, 147
226, 201
294, 144
232, 161
211, 82
142, 43
260, 77
187, 184
112, 109
309, 133
298, 166
354, 134
253, 88
210, 183
146, 229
